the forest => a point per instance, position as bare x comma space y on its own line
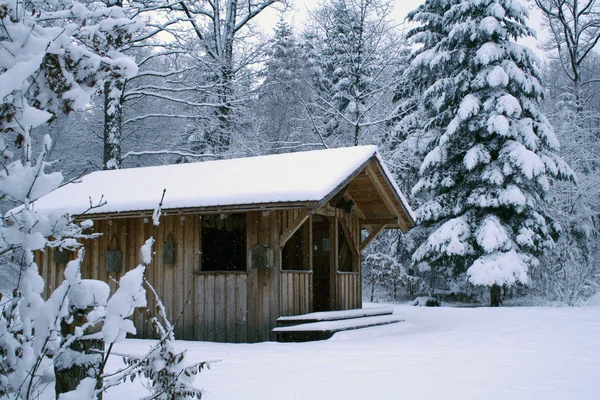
495, 145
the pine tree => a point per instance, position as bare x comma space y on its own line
352, 61
282, 120
494, 153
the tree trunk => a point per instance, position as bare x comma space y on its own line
495, 296
88, 352
113, 123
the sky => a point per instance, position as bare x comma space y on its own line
301, 12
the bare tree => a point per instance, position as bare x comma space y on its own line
356, 51
575, 31
222, 28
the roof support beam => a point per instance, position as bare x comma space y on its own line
294, 226
384, 196
357, 209
391, 221
371, 237
349, 237
381, 190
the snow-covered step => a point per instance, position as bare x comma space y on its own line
333, 316
325, 329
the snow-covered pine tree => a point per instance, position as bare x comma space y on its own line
490, 165
352, 62
280, 115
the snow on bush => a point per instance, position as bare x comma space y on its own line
165, 372
50, 63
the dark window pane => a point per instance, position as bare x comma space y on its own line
295, 255
224, 243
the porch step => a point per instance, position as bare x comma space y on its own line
325, 329
333, 316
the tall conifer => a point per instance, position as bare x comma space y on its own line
494, 154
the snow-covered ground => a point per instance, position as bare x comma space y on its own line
436, 353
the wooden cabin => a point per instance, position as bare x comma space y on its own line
241, 242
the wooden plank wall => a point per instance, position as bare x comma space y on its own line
347, 288
263, 284
225, 307
295, 286
296, 292
212, 306
349, 284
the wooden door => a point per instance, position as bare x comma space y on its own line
321, 264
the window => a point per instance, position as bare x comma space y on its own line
295, 255
223, 246
345, 260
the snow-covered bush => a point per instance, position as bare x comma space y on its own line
426, 301
48, 65
164, 371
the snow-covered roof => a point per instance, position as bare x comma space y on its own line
302, 177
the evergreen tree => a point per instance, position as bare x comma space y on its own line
281, 117
494, 154
352, 61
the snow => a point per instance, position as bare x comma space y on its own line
448, 239
492, 236
499, 268
147, 251
496, 77
294, 177
88, 292
488, 52
339, 325
509, 105
489, 25
528, 353
121, 305
518, 155
476, 155
335, 315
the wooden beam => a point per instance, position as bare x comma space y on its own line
326, 210
334, 200
349, 237
357, 209
391, 221
406, 218
381, 191
293, 227
238, 208
371, 237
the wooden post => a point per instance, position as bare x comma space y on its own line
69, 375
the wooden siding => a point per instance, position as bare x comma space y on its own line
348, 291
349, 284
211, 306
296, 293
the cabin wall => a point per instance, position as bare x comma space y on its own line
348, 285
296, 295
212, 306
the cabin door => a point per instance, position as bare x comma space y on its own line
321, 264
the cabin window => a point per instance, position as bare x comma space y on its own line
295, 255
345, 259
223, 243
